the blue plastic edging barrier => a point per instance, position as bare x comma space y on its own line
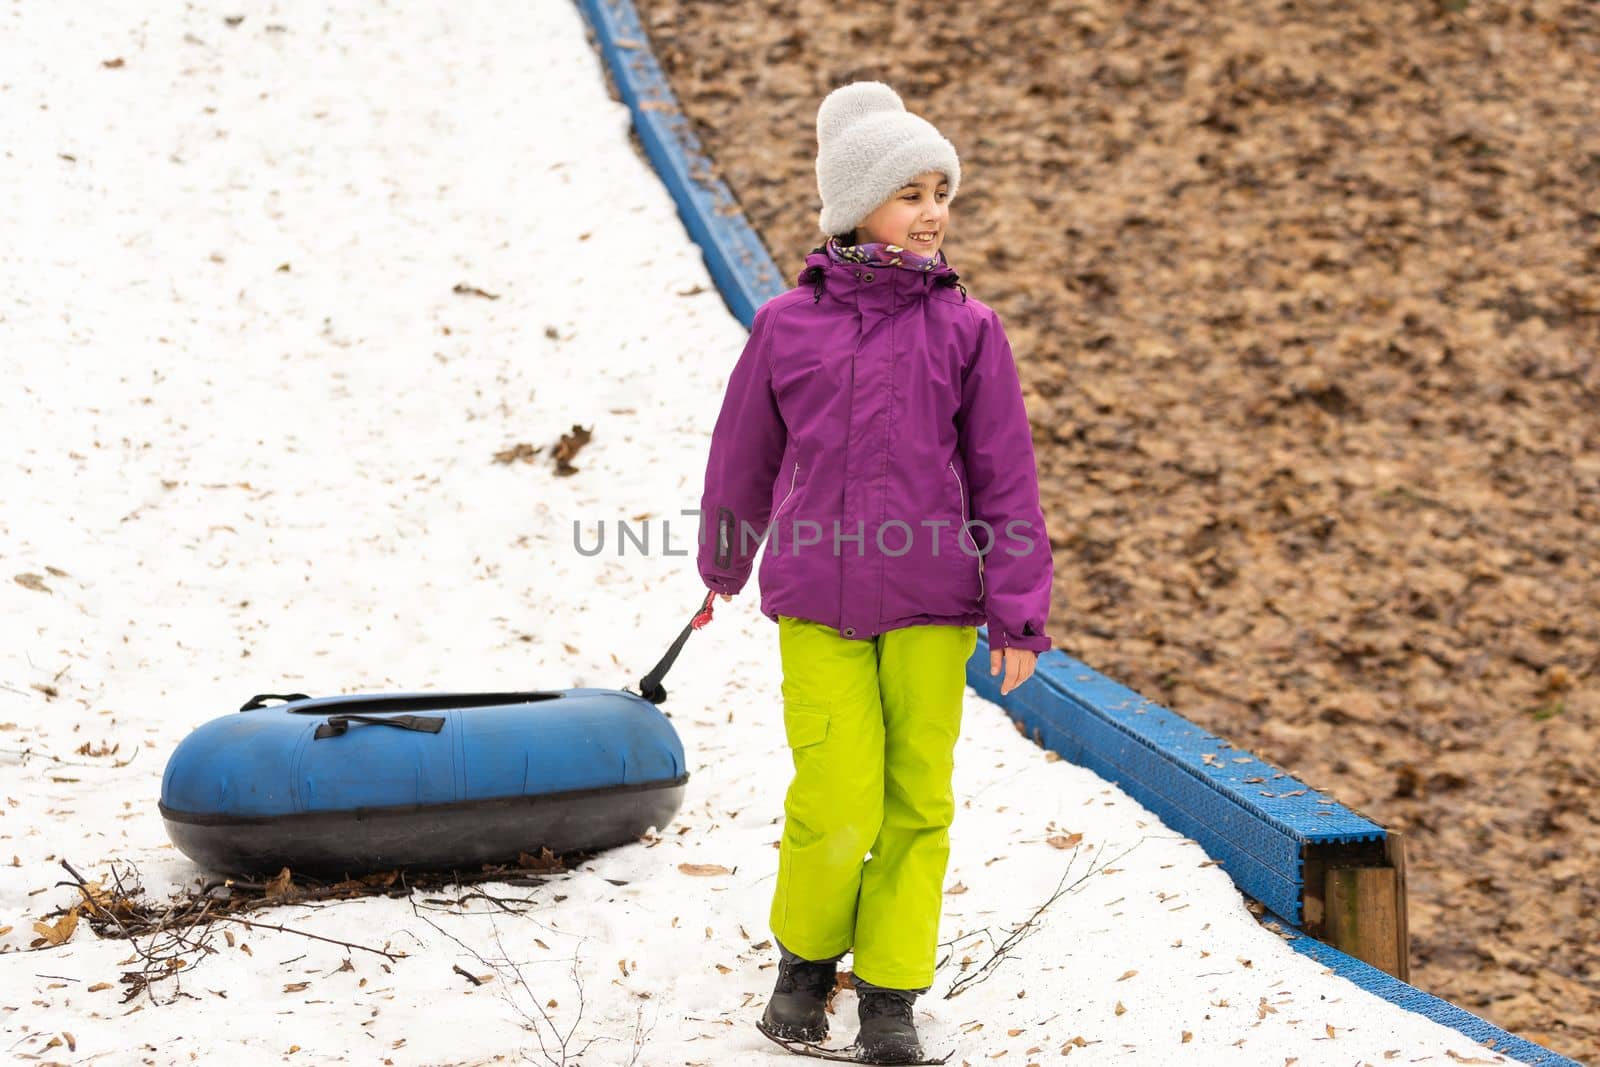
1160, 758
1247, 813
1409, 997
739, 263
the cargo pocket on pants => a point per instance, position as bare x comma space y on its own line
804, 723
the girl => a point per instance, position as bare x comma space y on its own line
874, 427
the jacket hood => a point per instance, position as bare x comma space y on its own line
821, 267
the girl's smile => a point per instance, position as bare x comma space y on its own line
915, 217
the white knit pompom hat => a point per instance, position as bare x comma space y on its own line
868, 147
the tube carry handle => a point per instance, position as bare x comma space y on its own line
338, 724
260, 699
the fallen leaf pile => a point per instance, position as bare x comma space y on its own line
1306, 304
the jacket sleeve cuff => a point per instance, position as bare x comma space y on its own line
1027, 640
718, 583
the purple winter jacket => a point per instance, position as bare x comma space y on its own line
874, 413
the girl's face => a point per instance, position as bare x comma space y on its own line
916, 217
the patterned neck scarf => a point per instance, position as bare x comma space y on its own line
881, 254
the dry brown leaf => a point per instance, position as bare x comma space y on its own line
1063, 840
544, 861
60, 931
520, 451
282, 885
570, 445
702, 870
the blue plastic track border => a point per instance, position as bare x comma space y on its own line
739, 263
1409, 997
1255, 818
1256, 828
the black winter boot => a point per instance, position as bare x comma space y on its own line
797, 1009
887, 1033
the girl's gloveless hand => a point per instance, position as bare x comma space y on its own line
1018, 663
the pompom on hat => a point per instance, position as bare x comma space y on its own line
868, 147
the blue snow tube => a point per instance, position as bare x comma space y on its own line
341, 785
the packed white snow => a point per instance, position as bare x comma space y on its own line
277, 282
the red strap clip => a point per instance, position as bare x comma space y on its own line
703, 616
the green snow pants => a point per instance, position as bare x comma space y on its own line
873, 727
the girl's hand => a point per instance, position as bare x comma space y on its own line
1019, 664
726, 596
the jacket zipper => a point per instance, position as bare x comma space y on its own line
963, 491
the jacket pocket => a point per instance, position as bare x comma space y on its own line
794, 480
964, 534
777, 537
804, 723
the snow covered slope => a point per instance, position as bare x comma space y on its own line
274, 291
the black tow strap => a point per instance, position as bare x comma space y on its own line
338, 724
650, 686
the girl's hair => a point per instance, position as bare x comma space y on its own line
846, 239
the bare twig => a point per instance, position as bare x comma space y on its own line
390, 956
169, 938
1029, 925
30, 753
558, 1046
641, 1034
